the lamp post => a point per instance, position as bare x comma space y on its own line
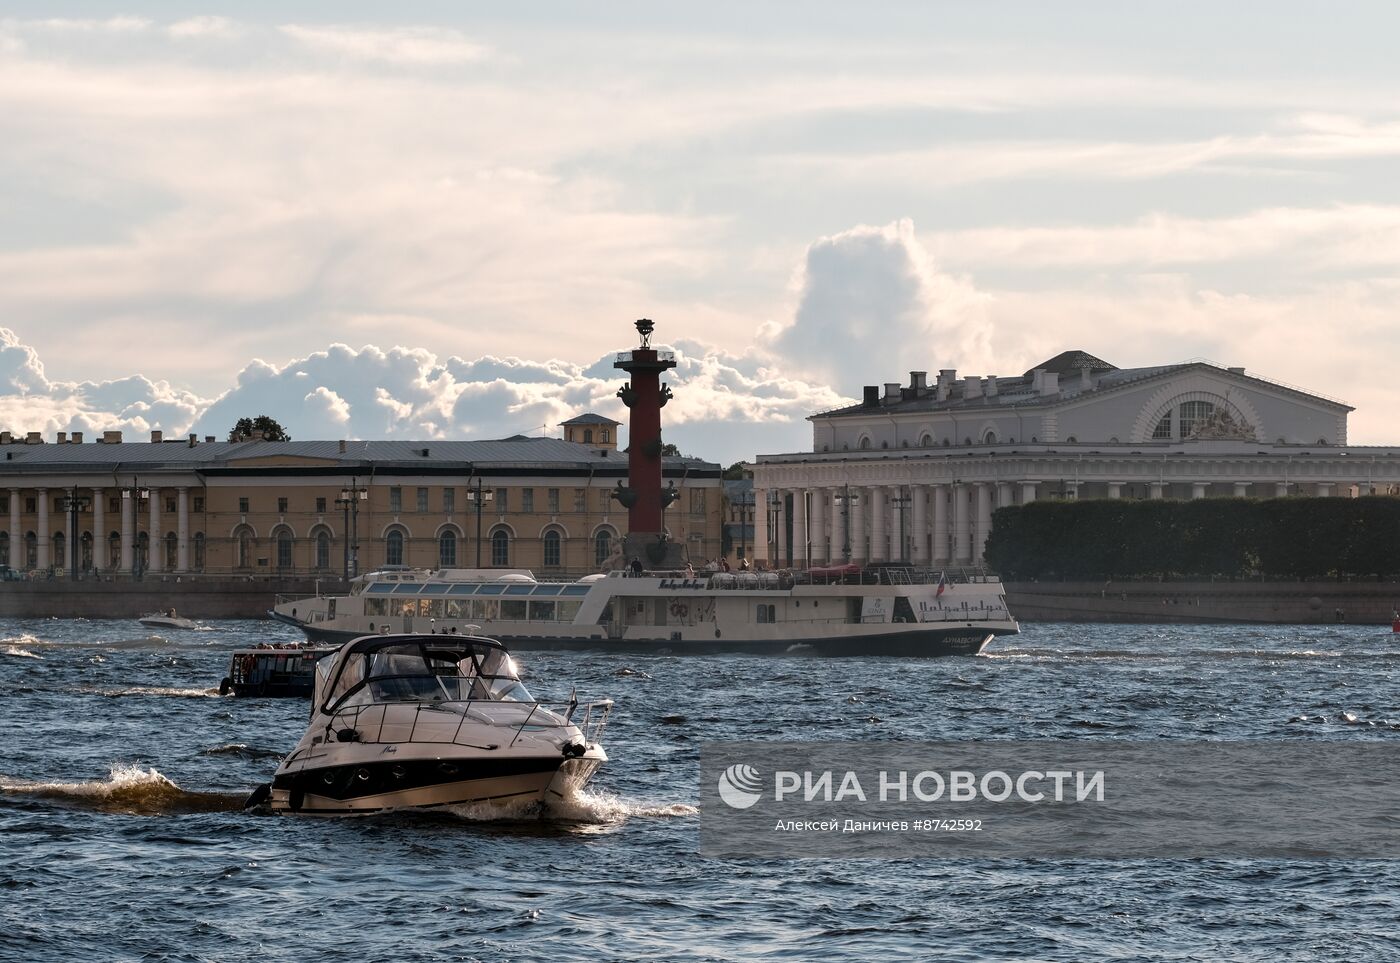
349, 502
138, 497
73, 503
901, 502
847, 500
479, 496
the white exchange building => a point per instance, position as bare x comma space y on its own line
914, 472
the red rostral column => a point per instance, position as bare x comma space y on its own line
645, 395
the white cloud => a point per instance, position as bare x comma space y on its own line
401, 45
217, 28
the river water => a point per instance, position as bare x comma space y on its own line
123, 773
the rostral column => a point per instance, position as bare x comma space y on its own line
644, 396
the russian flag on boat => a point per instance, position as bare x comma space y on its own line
942, 584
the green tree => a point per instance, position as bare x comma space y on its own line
272, 431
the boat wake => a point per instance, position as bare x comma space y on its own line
152, 690
15, 652
584, 807
242, 751
128, 790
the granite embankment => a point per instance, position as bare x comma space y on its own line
197, 598
1286, 602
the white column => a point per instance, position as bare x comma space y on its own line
1156, 492
984, 520
128, 530
16, 534
919, 494
818, 525
879, 541
1281, 489
1241, 489
1198, 489
1324, 489
42, 561
760, 526
857, 519
1115, 489
1004, 494
962, 531
799, 527
1028, 492
941, 553
99, 535
182, 532
156, 559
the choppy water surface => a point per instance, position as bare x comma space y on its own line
123, 773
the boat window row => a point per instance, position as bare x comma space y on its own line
478, 588
521, 610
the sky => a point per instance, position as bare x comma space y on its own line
439, 220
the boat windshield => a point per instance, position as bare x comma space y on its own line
427, 671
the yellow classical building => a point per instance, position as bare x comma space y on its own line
293, 509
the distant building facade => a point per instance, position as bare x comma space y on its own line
914, 472
260, 508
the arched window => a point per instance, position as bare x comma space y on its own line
990, 438
588, 436
602, 546
59, 560
447, 549
31, 550
393, 548
553, 552
86, 555
500, 547
1192, 413
172, 552
199, 551
1163, 431
5, 549
284, 549
114, 550
323, 550
865, 444
926, 440
143, 552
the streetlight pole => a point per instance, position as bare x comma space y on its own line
137, 496
349, 501
901, 502
847, 500
75, 503
480, 496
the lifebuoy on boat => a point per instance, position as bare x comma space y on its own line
680, 610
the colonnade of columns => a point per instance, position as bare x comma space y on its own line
48, 551
923, 524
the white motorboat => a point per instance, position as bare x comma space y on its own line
891, 610
167, 619
424, 721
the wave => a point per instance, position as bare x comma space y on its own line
242, 751
1179, 654
16, 652
129, 790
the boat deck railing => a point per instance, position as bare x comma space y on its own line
431, 722
783, 579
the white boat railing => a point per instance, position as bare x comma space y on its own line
426, 722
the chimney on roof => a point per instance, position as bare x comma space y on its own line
1038, 380
946, 377
194, 440
1086, 379
872, 396
423, 452
209, 439
991, 390
1049, 382
111, 438
918, 380
157, 437
342, 446
891, 391
62, 438
77, 438
34, 438
972, 387
6, 438
1238, 371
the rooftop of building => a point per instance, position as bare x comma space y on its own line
590, 418
1064, 377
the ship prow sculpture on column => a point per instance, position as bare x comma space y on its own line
643, 496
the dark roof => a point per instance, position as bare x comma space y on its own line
589, 418
1073, 360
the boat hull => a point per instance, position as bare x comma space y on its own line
371, 787
924, 641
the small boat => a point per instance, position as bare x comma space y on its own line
274, 669
167, 619
425, 721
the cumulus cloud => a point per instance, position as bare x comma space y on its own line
412, 45
871, 301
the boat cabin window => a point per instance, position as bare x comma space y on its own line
427, 671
